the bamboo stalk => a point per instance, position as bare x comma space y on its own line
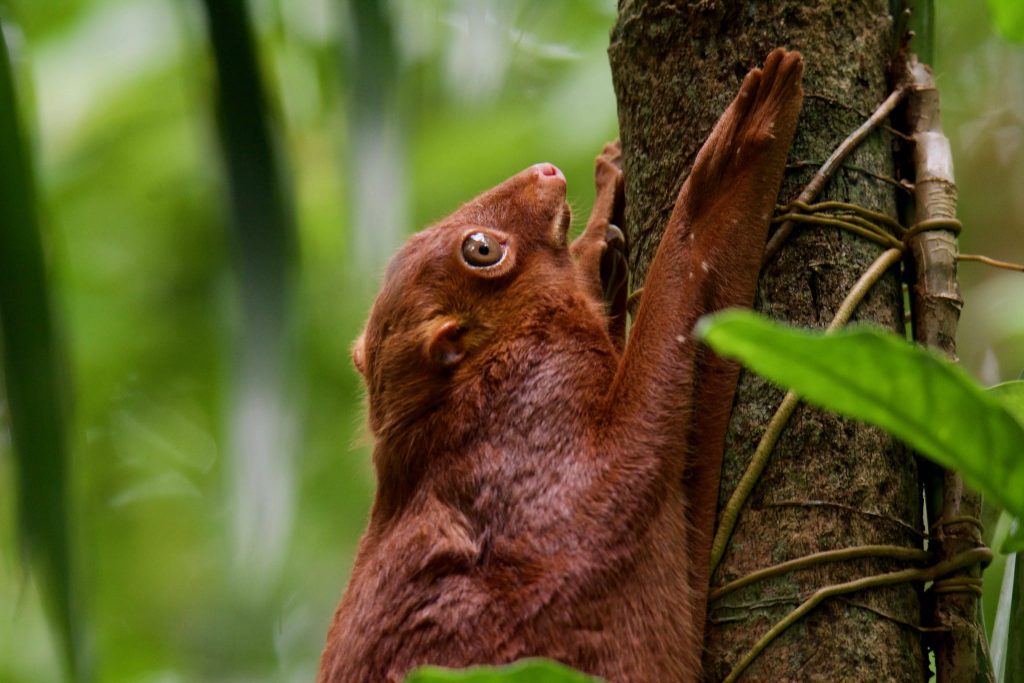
960, 649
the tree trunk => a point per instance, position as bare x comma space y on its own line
831, 483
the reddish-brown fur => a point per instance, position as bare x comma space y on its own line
542, 492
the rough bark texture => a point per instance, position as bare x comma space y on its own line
831, 483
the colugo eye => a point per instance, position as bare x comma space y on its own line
481, 250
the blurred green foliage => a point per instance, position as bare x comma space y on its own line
32, 372
118, 101
1008, 16
523, 671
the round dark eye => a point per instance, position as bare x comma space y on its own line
481, 250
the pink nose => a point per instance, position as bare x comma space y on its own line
549, 171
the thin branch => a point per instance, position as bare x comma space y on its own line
873, 215
817, 183
848, 508
991, 262
966, 559
849, 107
895, 552
731, 512
875, 235
860, 289
890, 617
853, 168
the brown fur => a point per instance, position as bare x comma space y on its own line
541, 491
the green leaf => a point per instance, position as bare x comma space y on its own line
523, 671
32, 373
1008, 16
1007, 646
1014, 542
264, 244
879, 378
1012, 396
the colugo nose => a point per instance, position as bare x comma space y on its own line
549, 172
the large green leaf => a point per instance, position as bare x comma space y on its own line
1008, 16
31, 371
881, 379
1014, 542
1007, 643
1012, 396
524, 671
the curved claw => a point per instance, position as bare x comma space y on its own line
614, 283
600, 252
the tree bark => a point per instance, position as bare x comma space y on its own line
831, 483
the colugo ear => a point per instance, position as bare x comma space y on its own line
446, 342
359, 354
